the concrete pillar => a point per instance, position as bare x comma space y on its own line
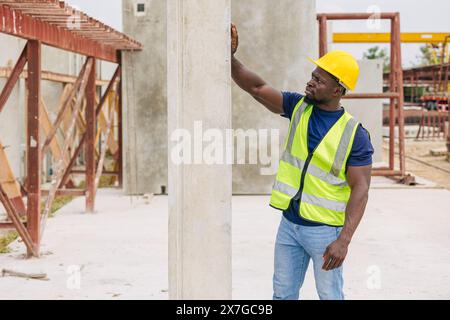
199, 89
369, 111
144, 99
275, 42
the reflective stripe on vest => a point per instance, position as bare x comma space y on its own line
330, 183
321, 202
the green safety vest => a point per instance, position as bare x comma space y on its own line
317, 179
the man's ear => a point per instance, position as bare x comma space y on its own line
337, 91
340, 91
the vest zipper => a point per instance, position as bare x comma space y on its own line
298, 196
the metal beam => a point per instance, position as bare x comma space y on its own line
406, 37
323, 36
21, 25
90, 141
385, 95
49, 76
120, 126
33, 145
356, 16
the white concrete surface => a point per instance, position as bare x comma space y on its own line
369, 112
122, 250
278, 52
145, 97
199, 92
400, 250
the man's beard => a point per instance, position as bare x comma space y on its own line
311, 101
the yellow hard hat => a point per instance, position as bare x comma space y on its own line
342, 65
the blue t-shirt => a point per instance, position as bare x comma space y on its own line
320, 123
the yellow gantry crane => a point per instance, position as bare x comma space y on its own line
437, 41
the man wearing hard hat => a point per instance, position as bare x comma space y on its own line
323, 177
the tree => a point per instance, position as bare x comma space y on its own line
429, 55
378, 53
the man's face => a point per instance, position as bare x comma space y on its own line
322, 87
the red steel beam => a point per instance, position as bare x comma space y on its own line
12, 80
90, 141
392, 105
399, 78
33, 144
323, 36
385, 95
386, 173
120, 125
17, 24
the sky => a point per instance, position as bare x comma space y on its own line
415, 16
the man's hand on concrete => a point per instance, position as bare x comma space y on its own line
334, 255
234, 39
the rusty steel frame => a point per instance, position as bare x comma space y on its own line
84, 86
395, 94
33, 145
42, 22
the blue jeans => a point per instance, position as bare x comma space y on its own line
294, 247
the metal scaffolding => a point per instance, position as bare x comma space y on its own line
395, 93
53, 23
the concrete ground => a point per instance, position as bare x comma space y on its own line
400, 251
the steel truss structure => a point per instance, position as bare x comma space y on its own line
82, 119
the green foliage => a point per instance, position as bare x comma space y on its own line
6, 240
428, 56
378, 53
